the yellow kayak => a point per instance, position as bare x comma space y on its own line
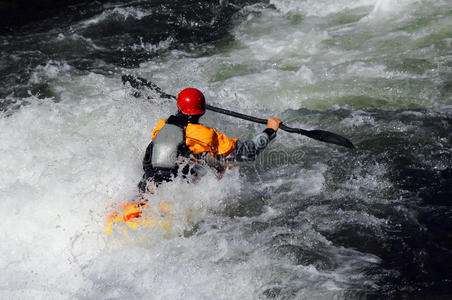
139, 214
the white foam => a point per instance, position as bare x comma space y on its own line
64, 167
306, 74
61, 165
385, 9
319, 8
305, 182
117, 12
149, 47
51, 70
358, 118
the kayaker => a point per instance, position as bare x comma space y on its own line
181, 136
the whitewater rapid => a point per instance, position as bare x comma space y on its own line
310, 224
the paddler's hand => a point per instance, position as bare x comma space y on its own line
273, 123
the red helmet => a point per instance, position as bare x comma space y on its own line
191, 102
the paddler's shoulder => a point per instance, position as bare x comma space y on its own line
199, 129
198, 126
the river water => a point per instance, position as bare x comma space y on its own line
307, 220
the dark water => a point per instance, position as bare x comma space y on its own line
101, 37
308, 220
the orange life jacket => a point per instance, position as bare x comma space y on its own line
200, 139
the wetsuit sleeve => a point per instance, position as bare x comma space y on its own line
248, 150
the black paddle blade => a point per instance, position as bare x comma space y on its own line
329, 137
135, 82
139, 82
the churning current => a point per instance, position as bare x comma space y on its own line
307, 220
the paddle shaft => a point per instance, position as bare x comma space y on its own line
321, 135
250, 118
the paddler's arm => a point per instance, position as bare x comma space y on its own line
248, 150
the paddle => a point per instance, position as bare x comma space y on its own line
320, 135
